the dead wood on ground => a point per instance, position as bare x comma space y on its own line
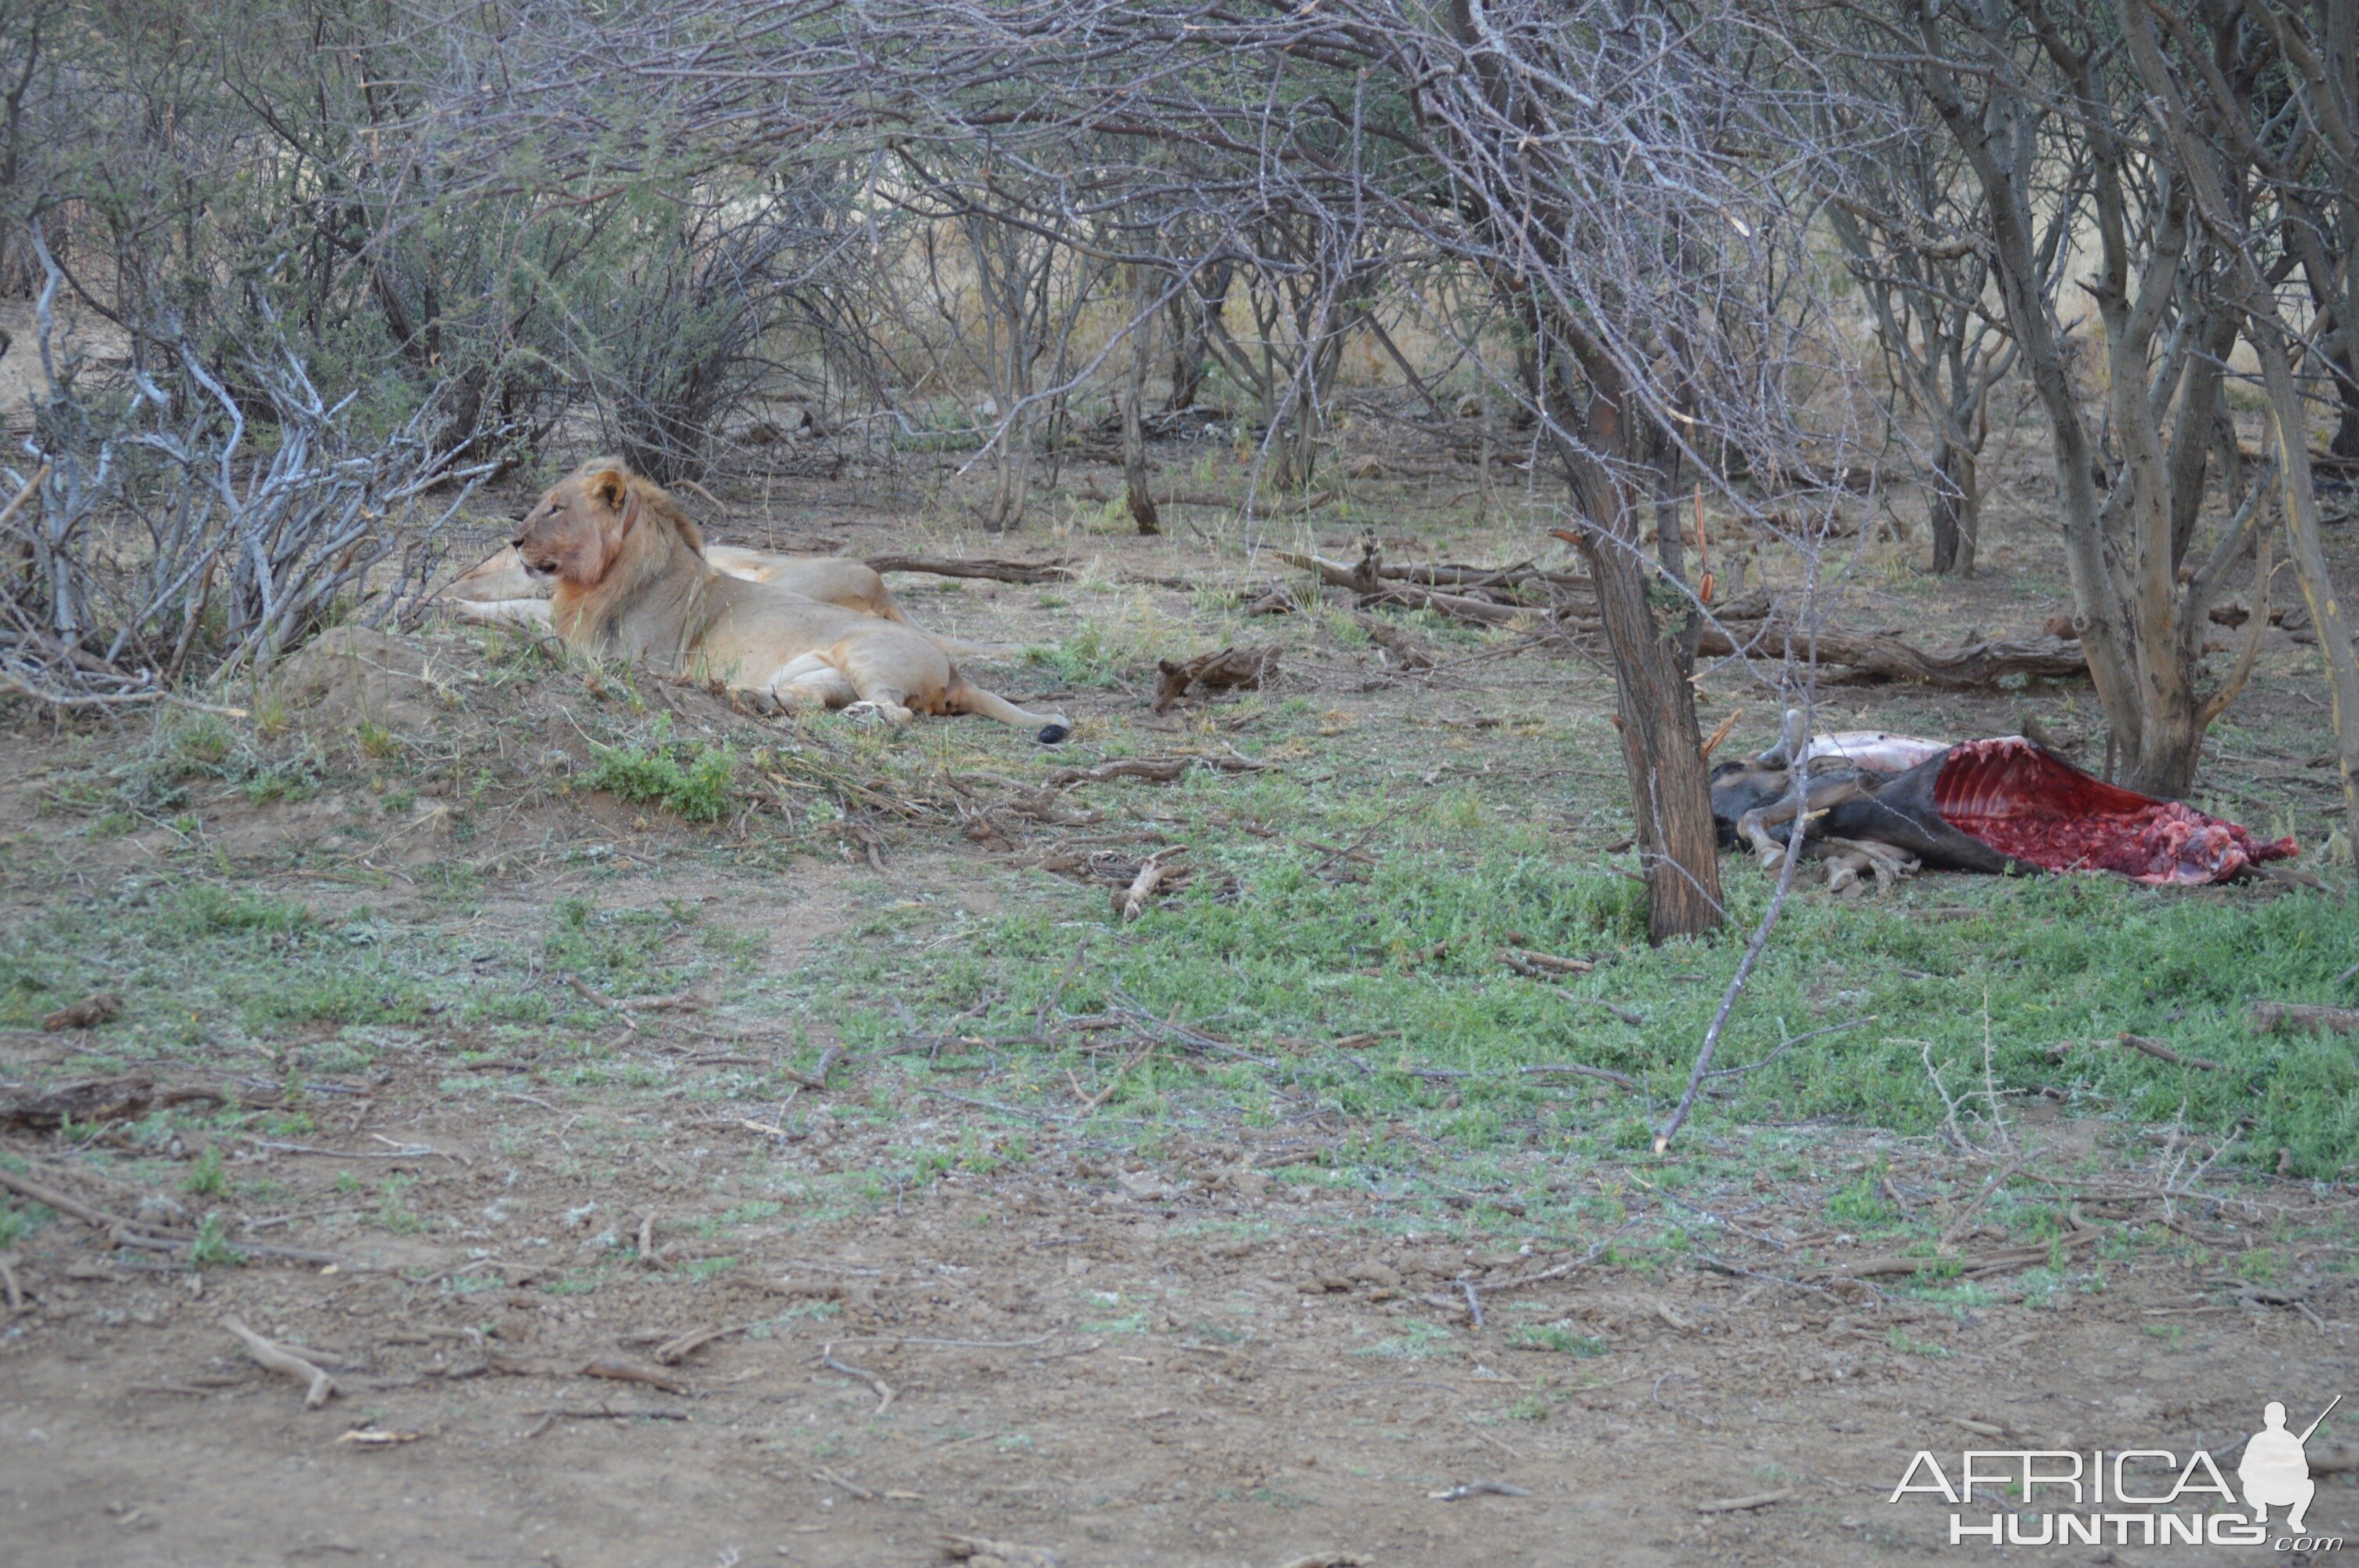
977, 567
1229, 669
286, 1361
2298, 1018
88, 1013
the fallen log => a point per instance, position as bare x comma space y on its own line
88, 1013
1286, 508
1874, 656
1744, 628
974, 567
90, 1101
1371, 579
1227, 669
2297, 1018
1154, 770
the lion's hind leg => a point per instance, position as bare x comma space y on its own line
809, 681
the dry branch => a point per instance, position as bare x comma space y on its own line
977, 567
285, 1361
1874, 656
980, 1550
1135, 900
1374, 588
1408, 651
2162, 1052
618, 1368
92, 1100
1580, 1069
2297, 1018
884, 1392
1230, 668
816, 1077
88, 1013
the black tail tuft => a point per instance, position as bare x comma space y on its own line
1052, 733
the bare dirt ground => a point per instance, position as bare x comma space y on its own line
604, 1281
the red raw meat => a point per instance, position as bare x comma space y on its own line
2025, 801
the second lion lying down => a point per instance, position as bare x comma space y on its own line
632, 581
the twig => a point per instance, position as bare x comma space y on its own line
1754, 947
1133, 900
1787, 1045
2162, 1052
8, 1281
603, 1000
1738, 1505
407, 1152
278, 1359
1479, 1489
680, 1347
816, 1077
1003, 1110
1630, 1016
1041, 1014
1606, 1074
599, 1413
1473, 1304
884, 1393
32, 484
843, 1483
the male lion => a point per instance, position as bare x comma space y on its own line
501, 590
631, 579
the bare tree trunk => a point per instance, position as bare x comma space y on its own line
1670, 788
2286, 418
1134, 424
1194, 310
1662, 748
2346, 387
1956, 509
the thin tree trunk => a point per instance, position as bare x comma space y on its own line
2310, 559
1662, 749
1953, 509
2346, 387
1671, 792
1133, 423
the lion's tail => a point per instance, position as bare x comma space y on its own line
965, 697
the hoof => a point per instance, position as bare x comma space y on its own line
1052, 733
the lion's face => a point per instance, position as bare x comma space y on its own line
577, 530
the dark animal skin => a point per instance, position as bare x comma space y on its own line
2007, 806
1897, 809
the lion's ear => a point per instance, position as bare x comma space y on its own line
608, 486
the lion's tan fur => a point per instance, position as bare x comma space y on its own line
633, 582
501, 589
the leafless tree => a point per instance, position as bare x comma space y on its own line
1912, 223
2248, 103
147, 539
2022, 86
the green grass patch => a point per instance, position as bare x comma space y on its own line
692, 786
